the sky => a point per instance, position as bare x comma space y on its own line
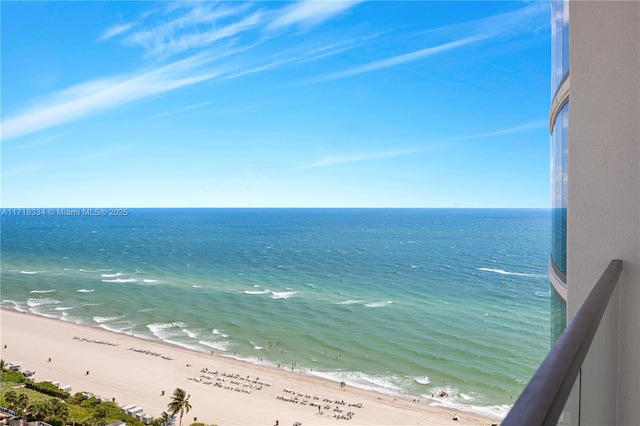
275, 104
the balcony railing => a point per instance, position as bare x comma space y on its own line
576, 383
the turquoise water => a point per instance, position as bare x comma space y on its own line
404, 301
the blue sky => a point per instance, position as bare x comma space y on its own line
275, 104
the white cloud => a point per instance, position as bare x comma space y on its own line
400, 59
516, 129
353, 158
199, 26
310, 12
376, 155
297, 58
115, 30
520, 20
87, 98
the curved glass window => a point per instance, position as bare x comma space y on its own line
558, 316
559, 166
559, 42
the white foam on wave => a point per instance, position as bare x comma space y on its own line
117, 274
121, 280
196, 286
118, 327
41, 291
382, 384
29, 272
218, 332
256, 291
378, 304
282, 294
190, 333
424, 380
102, 320
517, 274
149, 281
218, 345
350, 302
64, 308
84, 290
164, 331
34, 303
543, 294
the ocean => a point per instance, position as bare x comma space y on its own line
409, 302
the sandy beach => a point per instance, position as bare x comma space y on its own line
224, 391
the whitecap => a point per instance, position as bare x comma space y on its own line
118, 274
256, 291
517, 274
196, 286
42, 291
164, 331
349, 302
282, 294
160, 330
102, 320
218, 332
118, 327
424, 380
121, 280
84, 290
382, 384
190, 333
33, 303
220, 346
378, 304
149, 281
64, 308
29, 272
543, 294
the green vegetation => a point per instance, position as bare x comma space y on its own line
47, 388
9, 377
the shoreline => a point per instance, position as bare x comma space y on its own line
135, 370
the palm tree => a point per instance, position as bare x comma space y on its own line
11, 398
100, 415
39, 410
179, 403
163, 420
57, 409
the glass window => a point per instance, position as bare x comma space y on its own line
559, 42
558, 316
559, 187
